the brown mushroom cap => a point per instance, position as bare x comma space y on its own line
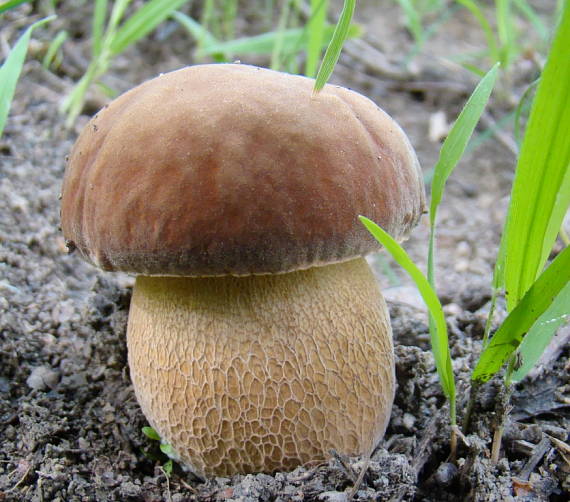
233, 169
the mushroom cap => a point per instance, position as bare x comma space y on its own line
229, 169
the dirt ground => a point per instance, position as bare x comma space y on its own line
70, 427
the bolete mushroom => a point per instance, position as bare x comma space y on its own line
258, 339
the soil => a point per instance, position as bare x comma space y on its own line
70, 427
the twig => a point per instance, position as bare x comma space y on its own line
343, 460
539, 451
187, 486
358, 481
21, 480
562, 448
421, 455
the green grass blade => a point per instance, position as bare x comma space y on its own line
117, 12
541, 333
456, 142
11, 69
316, 28
413, 21
263, 44
534, 303
522, 108
4, 6
51, 53
196, 30
335, 47
277, 48
98, 27
505, 30
142, 22
541, 189
476, 11
439, 342
533, 17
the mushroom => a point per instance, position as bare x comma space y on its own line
258, 339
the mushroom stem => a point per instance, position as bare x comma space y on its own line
263, 373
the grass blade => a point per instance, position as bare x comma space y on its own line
98, 27
541, 333
196, 30
439, 341
277, 48
413, 21
456, 142
142, 22
4, 6
52, 53
534, 303
451, 152
472, 6
541, 189
534, 19
333, 50
263, 44
11, 69
315, 41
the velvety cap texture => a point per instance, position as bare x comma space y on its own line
233, 169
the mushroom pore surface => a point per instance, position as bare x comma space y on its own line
263, 373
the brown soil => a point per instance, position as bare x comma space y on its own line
70, 427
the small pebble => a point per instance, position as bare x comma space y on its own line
42, 378
409, 420
463, 249
452, 310
445, 473
461, 265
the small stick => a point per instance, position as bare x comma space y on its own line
539, 451
346, 466
361, 475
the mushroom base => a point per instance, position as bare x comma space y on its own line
263, 373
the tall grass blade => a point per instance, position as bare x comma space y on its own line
335, 47
52, 52
533, 17
263, 44
476, 11
439, 340
523, 108
4, 6
413, 20
98, 27
316, 28
541, 333
505, 30
541, 189
277, 48
142, 22
520, 320
456, 142
196, 30
11, 69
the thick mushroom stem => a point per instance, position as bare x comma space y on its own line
263, 373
